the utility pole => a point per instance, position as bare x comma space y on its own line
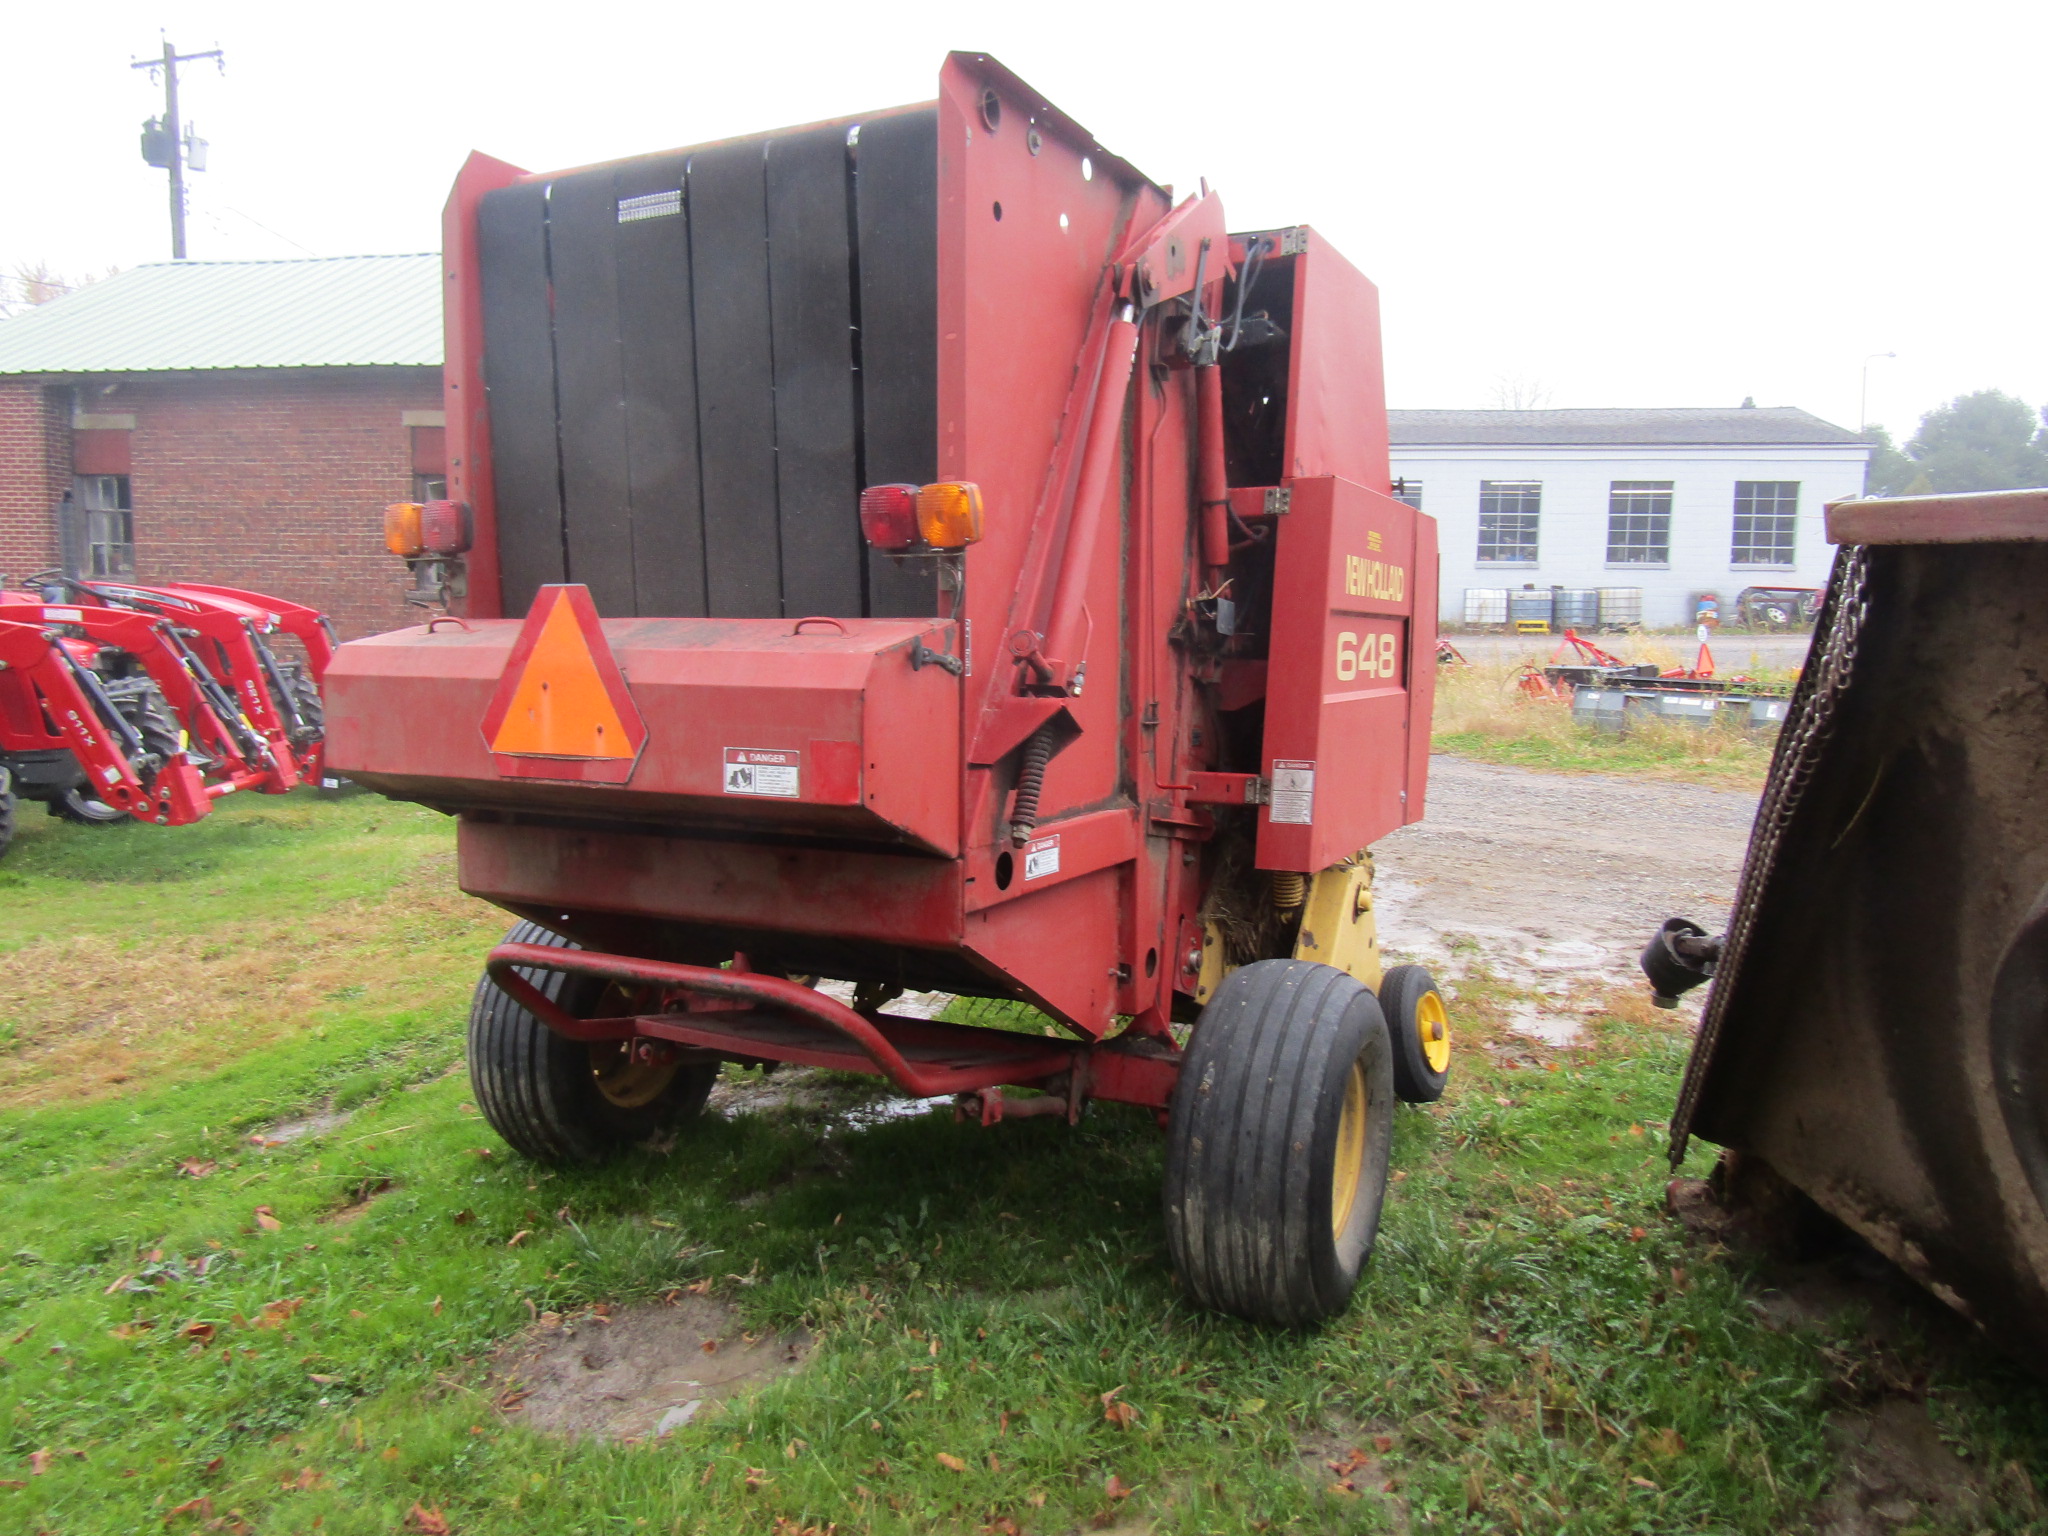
173, 149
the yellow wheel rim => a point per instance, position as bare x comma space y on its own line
1433, 1029
628, 1078
1350, 1160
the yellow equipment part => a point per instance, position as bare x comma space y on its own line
1337, 926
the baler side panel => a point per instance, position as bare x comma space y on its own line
466, 408
1341, 683
657, 361
1337, 397
519, 383
896, 177
1025, 239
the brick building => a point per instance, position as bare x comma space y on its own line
235, 422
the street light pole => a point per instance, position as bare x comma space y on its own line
1863, 400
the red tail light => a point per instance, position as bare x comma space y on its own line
445, 527
888, 517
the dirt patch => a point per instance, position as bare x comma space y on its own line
1895, 1471
361, 1198
831, 1099
637, 1372
1344, 1464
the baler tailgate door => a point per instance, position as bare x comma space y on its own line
1351, 673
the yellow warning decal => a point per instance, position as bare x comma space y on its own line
561, 707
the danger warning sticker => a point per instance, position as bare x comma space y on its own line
1294, 792
759, 771
1042, 857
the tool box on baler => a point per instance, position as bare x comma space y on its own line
915, 551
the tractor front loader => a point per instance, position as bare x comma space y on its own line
71, 738
918, 551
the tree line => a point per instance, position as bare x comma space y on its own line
1987, 441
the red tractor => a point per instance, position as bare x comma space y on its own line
122, 702
917, 551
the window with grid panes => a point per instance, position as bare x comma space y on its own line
109, 524
1409, 493
1510, 512
1639, 522
1766, 522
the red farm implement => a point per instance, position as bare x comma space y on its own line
149, 702
1001, 595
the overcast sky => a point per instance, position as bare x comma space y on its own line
1634, 204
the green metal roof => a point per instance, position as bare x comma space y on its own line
330, 312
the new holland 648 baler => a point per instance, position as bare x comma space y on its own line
1001, 594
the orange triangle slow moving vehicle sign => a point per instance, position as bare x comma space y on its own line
562, 710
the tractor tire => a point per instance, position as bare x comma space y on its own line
562, 1101
1278, 1142
80, 805
1419, 1027
6, 817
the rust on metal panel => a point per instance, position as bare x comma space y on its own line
1873, 1031
1977, 517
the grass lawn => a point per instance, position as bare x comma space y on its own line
198, 1332
1482, 713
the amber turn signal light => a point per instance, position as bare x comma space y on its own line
949, 514
402, 533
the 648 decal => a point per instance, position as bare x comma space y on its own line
1375, 654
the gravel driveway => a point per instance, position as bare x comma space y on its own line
1558, 876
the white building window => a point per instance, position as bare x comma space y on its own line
1509, 514
1766, 520
1639, 522
1408, 493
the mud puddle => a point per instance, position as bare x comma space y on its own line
639, 1371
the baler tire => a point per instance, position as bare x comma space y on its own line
83, 809
7, 807
1278, 1143
1416, 1020
540, 1092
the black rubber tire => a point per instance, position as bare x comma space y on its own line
1402, 991
540, 1092
7, 804
1253, 1136
80, 806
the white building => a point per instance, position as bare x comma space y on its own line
1675, 502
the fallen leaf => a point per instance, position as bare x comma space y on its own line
131, 1330
38, 1463
120, 1284
1383, 1443
755, 1477
1644, 1482
390, 1453
266, 1220
212, 1468
1035, 1500
1122, 1415
202, 1332
701, 1288
1636, 1234
463, 1218
1667, 1442
1003, 1525
1116, 1488
796, 1448
517, 1238
952, 1463
325, 1381
306, 1478
12, 1482
709, 1346
202, 1507
426, 1522
196, 1168
437, 1306
276, 1314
